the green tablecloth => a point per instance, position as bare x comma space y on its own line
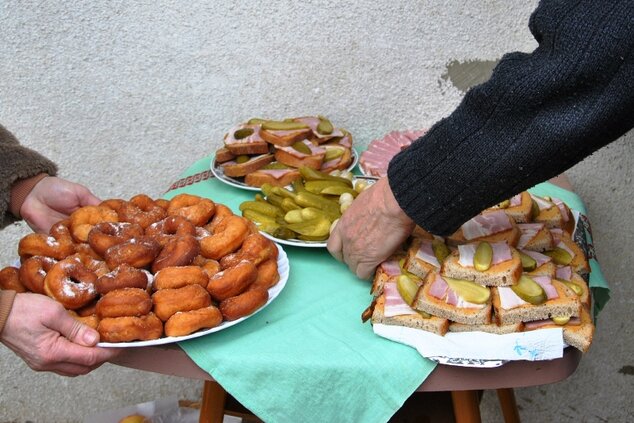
307, 357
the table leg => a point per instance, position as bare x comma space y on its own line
466, 406
212, 409
509, 406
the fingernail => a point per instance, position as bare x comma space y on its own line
90, 337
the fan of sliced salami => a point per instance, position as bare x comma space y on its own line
374, 161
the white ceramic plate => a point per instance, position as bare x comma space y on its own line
283, 269
218, 172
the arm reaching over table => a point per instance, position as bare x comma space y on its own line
539, 114
370, 230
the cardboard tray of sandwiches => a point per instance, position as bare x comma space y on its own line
510, 284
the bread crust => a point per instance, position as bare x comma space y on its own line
259, 178
433, 324
284, 138
313, 161
236, 170
506, 273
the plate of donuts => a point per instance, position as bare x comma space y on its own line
274, 291
239, 182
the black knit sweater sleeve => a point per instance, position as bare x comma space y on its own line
17, 162
537, 116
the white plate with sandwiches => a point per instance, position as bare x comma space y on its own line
283, 269
238, 182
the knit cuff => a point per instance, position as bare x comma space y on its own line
20, 190
6, 302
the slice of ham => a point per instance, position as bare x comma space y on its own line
315, 150
528, 232
486, 224
516, 200
547, 284
562, 208
438, 288
542, 202
540, 259
374, 161
313, 121
426, 253
391, 268
394, 304
254, 137
501, 253
508, 298
557, 234
564, 273
276, 173
563, 246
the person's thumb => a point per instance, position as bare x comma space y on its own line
77, 332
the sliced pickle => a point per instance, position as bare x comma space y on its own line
309, 213
301, 147
312, 228
407, 288
504, 204
534, 209
261, 207
559, 256
275, 125
242, 159
338, 190
573, 286
424, 314
483, 256
316, 187
528, 263
275, 165
333, 153
242, 133
468, 290
324, 127
256, 121
258, 218
277, 230
298, 185
560, 320
287, 204
314, 175
440, 249
313, 238
529, 290
293, 216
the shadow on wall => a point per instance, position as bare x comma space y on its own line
464, 75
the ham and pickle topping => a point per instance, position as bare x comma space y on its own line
501, 252
486, 224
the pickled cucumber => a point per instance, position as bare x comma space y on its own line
301, 147
243, 133
275, 125
559, 256
407, 288
324, 127
529, 290
483, 256
528, 263
561, 320
468, 290
315, 175
574, 287
262, 207
440, 249
313, 228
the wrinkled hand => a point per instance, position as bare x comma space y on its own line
47, 338
372, 228
52, 200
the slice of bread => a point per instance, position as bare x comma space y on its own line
420, 258
339, 163
489, 328
274, 177
294, 158
428, 303
547, 269
534, 237
519, 208
224, 155
415, 320
577, 333
567, 304
505, 273
553, 212
285, 138
580, 285
246, 139
579, 262
235, 169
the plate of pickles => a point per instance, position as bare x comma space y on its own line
304, 213
238, 182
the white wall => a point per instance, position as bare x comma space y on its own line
124, 95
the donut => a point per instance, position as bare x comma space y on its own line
197, 210
124, 302
233, 281
130, 328
268, 275
141, 210
86, 250
179, 251
221, 212
106, 234
209, 266
10, 279
227, 238
244, 304
256, 248
87, 310
170, 301
114, 203
58, 244
83, 219
179, 276
33, 271
94, 265
162, 203
169, 228
70, 283
124, 276
137, 252
187, 322
90, 320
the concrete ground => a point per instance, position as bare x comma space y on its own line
123, 96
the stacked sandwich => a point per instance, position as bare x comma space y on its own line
514, 267
270, 151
